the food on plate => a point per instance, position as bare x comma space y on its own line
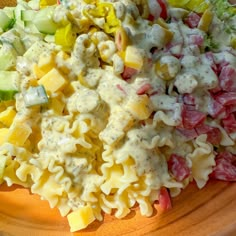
109, 104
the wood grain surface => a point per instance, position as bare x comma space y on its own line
209, 211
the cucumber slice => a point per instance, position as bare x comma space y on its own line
27, 15
11, 37
43, 20
7, 57
35, 96
9, 85
32, 54
5, 21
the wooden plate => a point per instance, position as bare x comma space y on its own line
209, 211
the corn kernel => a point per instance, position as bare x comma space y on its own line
205, 20
7, 116
18, 134
133, 58
80, 218
53, 81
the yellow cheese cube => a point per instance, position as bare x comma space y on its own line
139, 107
53, 81
46, 62
7, 116
133, 58
80, 218
38, 73
56, 105
3, 135
18, 134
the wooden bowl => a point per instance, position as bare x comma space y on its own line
209, 211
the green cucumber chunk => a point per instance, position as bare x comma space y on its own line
9, 85
7, 57
44, 22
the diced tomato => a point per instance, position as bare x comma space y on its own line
224, 168
192, 20
144, 89
192, 118
226, 98
128, 73
215, 108
188, 99
196, 40
163, 6
213, 133
189, 134
229, 123
177, 165
164, 199
210, 59
151, 17
227, 78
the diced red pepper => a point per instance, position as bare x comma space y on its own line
192, 20
196, 40
229, 123
164, 13
227, 78
164, 199
177, 165
225, 168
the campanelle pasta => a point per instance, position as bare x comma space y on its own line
118, 102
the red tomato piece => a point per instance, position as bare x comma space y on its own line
189, 134
224, 168
192, 118
128, 73
213, 133
164, 199
144, 89
229, 123
192, 20
215, 108
227, 78
226, 98
177, 165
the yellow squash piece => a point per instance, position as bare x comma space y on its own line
81, 218
205, 20
133, 58
7, 116
53, 81
18, 134
65, 36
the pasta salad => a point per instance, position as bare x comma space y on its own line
106, 104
